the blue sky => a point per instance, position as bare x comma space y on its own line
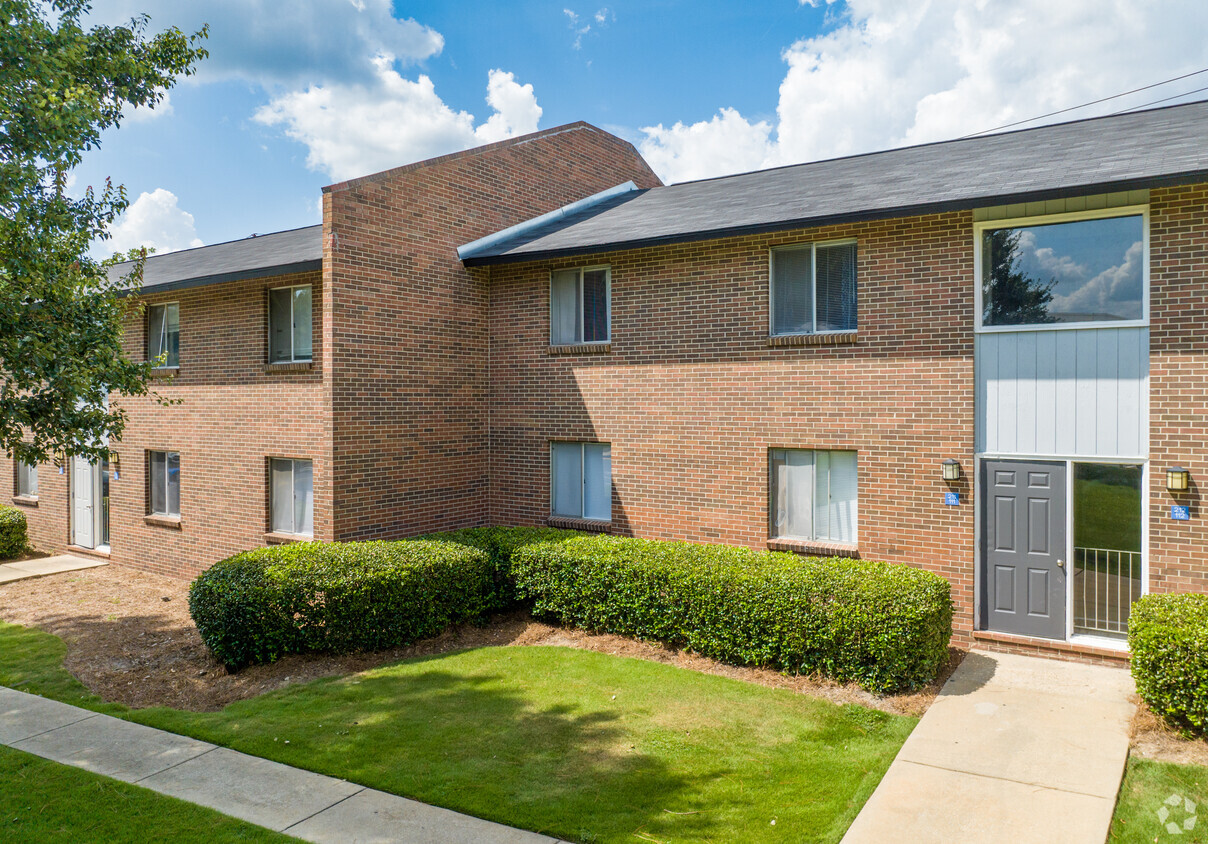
302, 93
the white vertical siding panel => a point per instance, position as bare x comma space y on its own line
1107, 393
1025, 393
1065, 422
1008, 406
1047, 420
1133, 343
990, 372
1143, 413
1087, 346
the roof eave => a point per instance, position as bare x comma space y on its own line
912, 210
234, 275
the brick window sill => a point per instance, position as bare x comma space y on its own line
581, 349
815, 549
589, 525
295, 366
25, 500
165, 372
161, 520
276, 538
846, 338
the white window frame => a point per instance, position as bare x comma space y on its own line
293, 357
1048, 219
553, 480
813, 246
165, 306
26, 472
579, 303
151, 453
772, 503
293, 461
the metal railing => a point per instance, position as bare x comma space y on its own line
1106, 582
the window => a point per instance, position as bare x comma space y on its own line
813, 495
292, 496
581, 480
1063, 271
164, 473
289, 324
579, 306
163, 334
814, 288
27, 479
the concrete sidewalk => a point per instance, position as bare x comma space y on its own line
299, 803
42, 566
1015, 749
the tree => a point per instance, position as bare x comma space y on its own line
1010, 296
61, 354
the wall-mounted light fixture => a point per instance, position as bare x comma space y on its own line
115, 463
952, 470
1178, 479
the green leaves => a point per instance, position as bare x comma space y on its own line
1168, 637
12, 532
61, 320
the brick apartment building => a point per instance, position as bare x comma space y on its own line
979, 357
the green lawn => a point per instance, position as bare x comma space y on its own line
1147, 786
572, 743
43, 801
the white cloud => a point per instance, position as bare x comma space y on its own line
355, 129
890, 73
602, 18
153, 220
287, 45
1116, 289
146, 115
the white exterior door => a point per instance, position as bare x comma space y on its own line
83, 503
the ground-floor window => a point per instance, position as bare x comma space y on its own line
27, 479
581, 480
813, 495
164, 486
292, 496
1107, 547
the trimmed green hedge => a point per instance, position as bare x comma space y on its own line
1168, 637
12, 532
885, 626
338, 597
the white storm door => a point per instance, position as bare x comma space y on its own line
83, 508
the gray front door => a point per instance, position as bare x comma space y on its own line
1023, 548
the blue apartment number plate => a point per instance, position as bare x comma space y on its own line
952, 498
1183, 514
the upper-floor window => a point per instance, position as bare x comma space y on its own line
579, 306
813, 495
164, 488
27, 479
814, 288
289, 324
1066, 270
581, 480
163, 334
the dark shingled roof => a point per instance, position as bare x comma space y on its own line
1143, 149
279, 253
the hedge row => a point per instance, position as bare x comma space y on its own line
337, 597
1168, 637
12, 532
884, 626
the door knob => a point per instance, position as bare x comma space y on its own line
1061, 564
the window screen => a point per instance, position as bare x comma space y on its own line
814, 288
813, 495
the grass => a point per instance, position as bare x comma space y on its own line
575, 744
43, 801
1147, 786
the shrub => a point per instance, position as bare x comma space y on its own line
499, 543
885, 626
1168, 636
12, 532
337, 597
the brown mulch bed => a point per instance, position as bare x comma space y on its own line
1152, 738
130, 640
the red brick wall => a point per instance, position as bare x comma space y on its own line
1178, 385
692, 396
233, 413
408, 333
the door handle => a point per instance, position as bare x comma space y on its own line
1061, 564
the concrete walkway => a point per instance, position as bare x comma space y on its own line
299, 803
1015, 749
41, 566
